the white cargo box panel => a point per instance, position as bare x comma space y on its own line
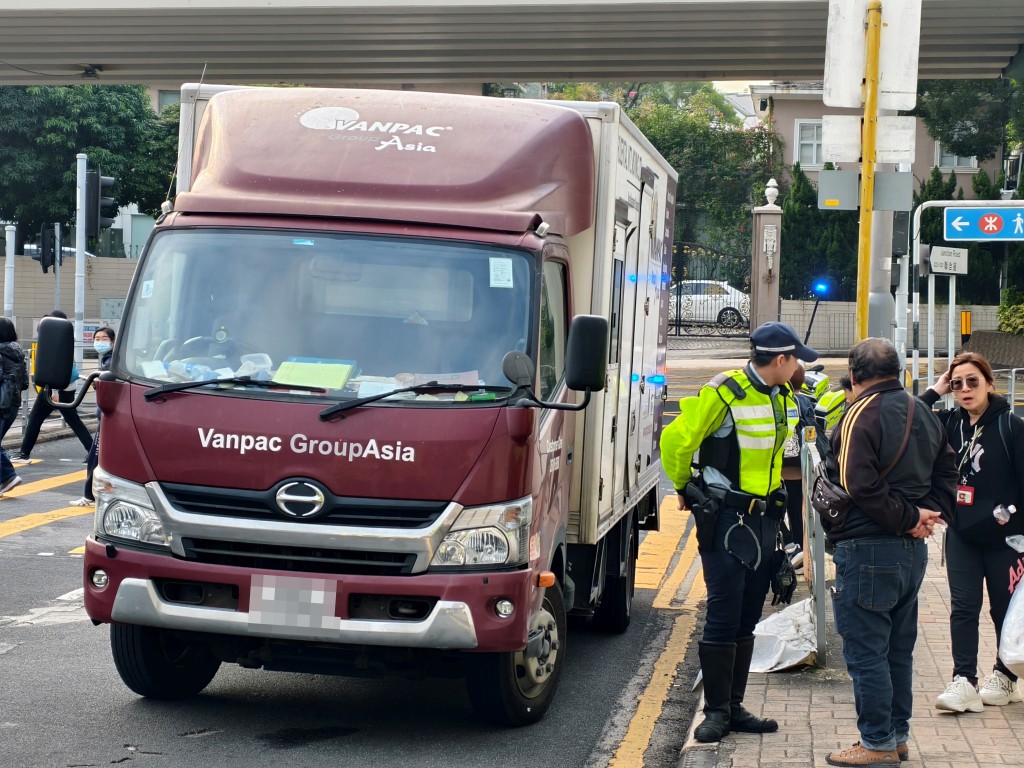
621, 271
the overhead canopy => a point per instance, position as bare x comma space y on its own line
454, 41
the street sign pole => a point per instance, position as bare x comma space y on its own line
915, 246
867, 186
57, 253
950, 343
82, 161
11, 233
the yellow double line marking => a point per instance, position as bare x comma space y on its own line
27, 522
663, 545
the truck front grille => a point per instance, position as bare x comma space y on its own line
300, 559
338, 510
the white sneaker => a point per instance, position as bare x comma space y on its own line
960, 696
999, 690
10, 485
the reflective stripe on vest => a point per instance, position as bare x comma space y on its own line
759, 441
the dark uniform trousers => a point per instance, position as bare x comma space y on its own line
736, 594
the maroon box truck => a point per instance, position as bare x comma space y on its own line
387, 393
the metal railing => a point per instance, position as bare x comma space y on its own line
814, 554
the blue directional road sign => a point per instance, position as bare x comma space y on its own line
983, 224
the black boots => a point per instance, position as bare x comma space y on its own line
716, 663
725, 667
740, 719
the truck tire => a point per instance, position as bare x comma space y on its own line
506, 688
159, 664
616, 609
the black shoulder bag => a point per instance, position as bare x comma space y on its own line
831, 501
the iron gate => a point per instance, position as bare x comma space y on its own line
710, 292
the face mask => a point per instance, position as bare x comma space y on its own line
101, 347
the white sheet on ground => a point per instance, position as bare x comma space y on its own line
785, 639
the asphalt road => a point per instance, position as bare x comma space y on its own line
62, 703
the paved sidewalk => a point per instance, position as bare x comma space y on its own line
816, 713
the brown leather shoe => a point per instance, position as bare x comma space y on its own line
858, 756
903, 751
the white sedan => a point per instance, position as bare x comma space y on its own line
708, 301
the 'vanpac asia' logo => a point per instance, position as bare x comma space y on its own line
346, 124
243, 443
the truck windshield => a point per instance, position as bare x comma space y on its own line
351, 315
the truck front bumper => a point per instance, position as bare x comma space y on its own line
308, 607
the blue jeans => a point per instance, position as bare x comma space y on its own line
6, 468
875, 602
735, 593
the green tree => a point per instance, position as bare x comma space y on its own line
816, 243
722, 171
700, 99
149, 179
970, 118
993, 267
42, 128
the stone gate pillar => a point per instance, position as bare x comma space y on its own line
764, 268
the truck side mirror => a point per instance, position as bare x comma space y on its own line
518, 368
586, 357
54, 353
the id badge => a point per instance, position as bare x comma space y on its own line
965, 495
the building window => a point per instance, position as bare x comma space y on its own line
946, 159
808, 143
165, 98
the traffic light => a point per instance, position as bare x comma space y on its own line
47, 246
96, 218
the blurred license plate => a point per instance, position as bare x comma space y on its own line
290, 605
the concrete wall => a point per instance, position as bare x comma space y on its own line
834, 325
34, 292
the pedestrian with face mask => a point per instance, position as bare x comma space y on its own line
103, 343
41, 410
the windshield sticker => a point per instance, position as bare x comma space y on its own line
153, 369
371, 388
469, 378
147, 289
243, 443
501, 272
303, 241
312, 372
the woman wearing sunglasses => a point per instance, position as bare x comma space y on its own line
989, 445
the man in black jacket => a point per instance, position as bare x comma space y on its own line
880, 550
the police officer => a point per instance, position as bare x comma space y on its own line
723, 454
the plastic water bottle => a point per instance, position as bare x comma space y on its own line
1002, 513
190, 371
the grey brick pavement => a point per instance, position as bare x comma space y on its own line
816, 712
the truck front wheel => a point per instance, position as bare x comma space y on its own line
160, 664
512, 688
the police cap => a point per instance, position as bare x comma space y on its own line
774, 338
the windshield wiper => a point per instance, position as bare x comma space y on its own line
430, 386
178, 386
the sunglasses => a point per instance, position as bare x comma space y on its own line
968, 382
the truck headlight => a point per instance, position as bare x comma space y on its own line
497, 534
124, 511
